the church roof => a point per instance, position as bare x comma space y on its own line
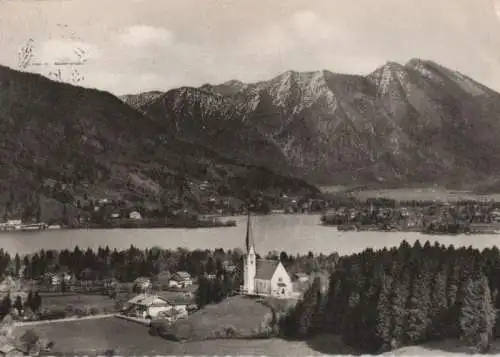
266, 269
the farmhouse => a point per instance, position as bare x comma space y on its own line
135, 215
261, 276
152, 306
181, 279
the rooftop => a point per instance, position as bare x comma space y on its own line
266, 268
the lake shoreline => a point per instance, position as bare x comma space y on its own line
296, 234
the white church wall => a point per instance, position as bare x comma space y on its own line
281, 276
250, 269
263, 286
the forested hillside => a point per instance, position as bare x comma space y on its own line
382, 300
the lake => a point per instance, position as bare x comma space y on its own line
291, 233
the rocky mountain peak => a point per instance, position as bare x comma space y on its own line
400, 122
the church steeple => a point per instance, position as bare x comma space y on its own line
249, 237
250, 261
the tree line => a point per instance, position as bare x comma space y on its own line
33, 302
129, 264
382, 300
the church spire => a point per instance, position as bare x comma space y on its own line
249, 237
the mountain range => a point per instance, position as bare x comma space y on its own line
64, 143
416, 123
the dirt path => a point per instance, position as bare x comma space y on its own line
32, 323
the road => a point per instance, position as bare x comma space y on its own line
33, 323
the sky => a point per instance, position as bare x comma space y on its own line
131, 46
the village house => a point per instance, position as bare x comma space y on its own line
11, 287
142, 283
57, 279
152, 306
180, 279
262, 276
135, 215
13, 224
229, 267
115, 215
110, 283
301, 277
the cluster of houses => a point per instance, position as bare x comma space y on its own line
177, 280
18, 225
415, 217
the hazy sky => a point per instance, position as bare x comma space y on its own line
138, 45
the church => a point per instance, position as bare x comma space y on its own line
262, 276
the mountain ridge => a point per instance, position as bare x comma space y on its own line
93, 144
402, 123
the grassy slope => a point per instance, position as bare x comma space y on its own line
126, 338
244, 316
94, 337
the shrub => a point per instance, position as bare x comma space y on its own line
109, 353
29, 341
230, 331
79, 312
54, 314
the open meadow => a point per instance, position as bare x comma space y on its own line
95, 337
235, 317
63, 300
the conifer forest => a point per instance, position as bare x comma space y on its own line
382, 300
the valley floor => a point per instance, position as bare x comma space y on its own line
95, 337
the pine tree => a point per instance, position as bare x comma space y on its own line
5, 306
401, 293
318, 318
210, 266
37, 302
383, 328
202, 293
477, 314
29, 301
439, 304
418, 309
18, 305
308, 307
218, 290
17, 265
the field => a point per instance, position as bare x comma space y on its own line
95, 337
61, 301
